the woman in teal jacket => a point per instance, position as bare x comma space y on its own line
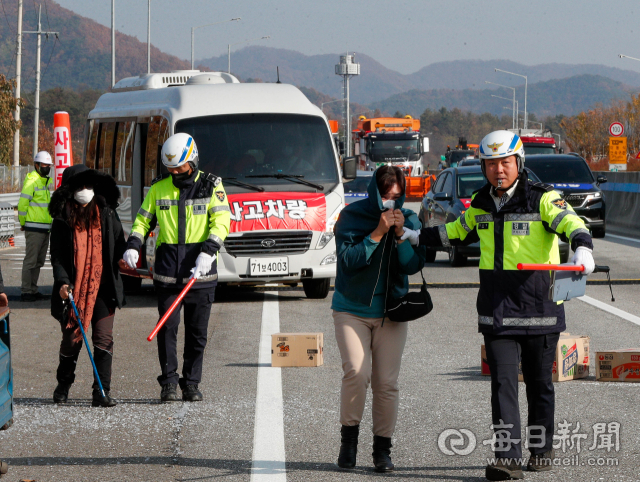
373, 264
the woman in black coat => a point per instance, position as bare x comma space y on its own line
83, 210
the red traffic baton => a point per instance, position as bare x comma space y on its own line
550, 267
171, 309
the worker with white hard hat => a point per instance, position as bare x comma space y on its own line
35, 221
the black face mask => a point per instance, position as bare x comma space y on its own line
44, 170
180, 179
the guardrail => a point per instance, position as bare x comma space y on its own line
11, 198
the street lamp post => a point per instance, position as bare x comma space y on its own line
514, 115
525, 92
193, 30
148, 36
517, 113
238, 43
513, 124
330, 102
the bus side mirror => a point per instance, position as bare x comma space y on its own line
561, 151
349, 168
341, 147
425, 145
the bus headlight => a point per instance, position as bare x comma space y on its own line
328, 234
329, 259
324, 239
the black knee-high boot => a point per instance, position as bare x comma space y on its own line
65, 375
103, 361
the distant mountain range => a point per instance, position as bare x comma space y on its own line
82, 55
82, 59
377, 82
567, 96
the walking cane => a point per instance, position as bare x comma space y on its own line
171, 309
86, 343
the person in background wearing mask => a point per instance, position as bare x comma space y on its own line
192, 211
372, 263
516, 221
87, 242
33, 214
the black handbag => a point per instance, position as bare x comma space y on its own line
411, 306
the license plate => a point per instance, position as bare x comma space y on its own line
268, 266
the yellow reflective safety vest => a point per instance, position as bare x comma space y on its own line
525, 230
33, 207
194, 218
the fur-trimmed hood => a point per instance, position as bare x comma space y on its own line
74, 178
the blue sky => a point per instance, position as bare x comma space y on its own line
404, 35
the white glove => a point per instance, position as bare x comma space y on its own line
411, 235
131, 258
583, 257
203, 265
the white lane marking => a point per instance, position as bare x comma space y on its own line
610, 309
268, 461
622, 237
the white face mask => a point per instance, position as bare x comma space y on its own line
84, 196
389, 204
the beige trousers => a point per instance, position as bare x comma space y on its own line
370, 354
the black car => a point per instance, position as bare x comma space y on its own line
571, 174
449, 197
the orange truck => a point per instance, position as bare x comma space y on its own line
389, 140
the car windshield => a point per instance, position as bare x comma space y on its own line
394, 150
456, 156
243, 145
358, 185
561, 170
469, 183
470, 162
528, 150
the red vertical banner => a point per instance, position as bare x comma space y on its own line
63, 154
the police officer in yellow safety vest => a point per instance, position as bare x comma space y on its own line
35, 221
516, 221
192, 211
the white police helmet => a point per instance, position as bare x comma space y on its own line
178, 150
500, 144
43, 157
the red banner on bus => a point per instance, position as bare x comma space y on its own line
277, 210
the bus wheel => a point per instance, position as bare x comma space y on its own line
131, 285
316, 289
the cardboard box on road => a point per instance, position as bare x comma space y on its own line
572, 359
297, 349
618, 365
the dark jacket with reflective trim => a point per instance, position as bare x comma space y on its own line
193, 218
525, 230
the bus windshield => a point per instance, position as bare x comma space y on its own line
244, 145
394, 150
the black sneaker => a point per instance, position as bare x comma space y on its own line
28, 297
541, 462
190, 393
169, 393
504, 471
39, 296
61, 393
100, 401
